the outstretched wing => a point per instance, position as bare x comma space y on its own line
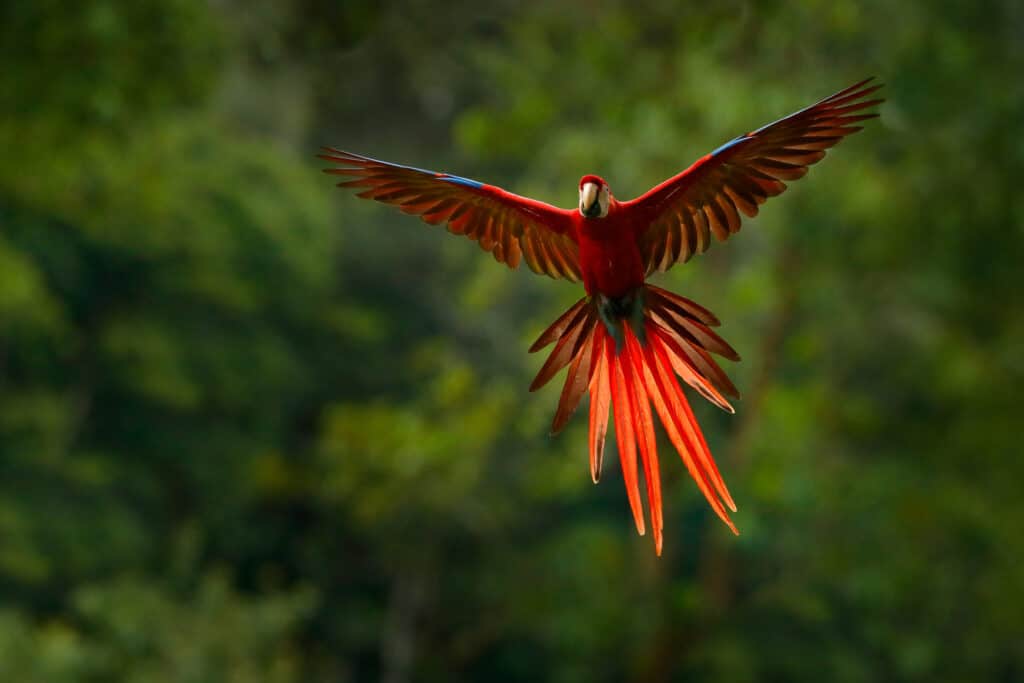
683, 212
511, 227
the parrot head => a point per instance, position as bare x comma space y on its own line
595, 197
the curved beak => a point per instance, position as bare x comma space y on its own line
589, 205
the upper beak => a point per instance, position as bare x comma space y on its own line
588, 199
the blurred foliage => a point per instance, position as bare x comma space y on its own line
252, 429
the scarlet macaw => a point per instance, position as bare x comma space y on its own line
625, 341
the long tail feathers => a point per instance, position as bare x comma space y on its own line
632, 375
600, 401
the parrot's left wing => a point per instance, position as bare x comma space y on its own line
511, 227
682, 213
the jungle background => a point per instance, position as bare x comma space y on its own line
255, 429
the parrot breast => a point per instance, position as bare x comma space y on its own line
609, 256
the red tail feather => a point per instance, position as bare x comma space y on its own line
643, 427
629, 370
600, 401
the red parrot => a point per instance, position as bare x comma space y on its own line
626, 340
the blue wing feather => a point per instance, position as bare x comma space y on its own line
458, 180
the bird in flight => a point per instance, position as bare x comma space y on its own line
626, 341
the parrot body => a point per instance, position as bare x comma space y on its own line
626, 342
609, 255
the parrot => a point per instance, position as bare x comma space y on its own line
626, 341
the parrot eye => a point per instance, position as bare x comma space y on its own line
594, 200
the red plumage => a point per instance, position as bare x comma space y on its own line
626, 342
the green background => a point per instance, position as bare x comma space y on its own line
255, 429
